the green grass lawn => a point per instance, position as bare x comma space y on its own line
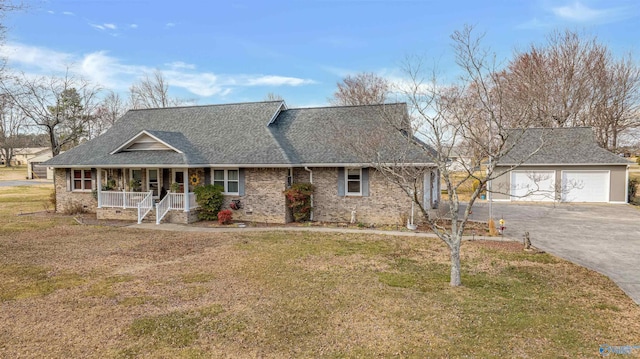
68, 290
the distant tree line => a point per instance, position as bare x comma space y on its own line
570, 80
69, 109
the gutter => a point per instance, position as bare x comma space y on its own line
310, 181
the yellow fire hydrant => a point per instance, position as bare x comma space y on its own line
502, 226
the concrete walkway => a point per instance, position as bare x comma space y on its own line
185, 228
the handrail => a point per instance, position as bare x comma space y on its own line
163, 207
145, 206
173, 201
192, 201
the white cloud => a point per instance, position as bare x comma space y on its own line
103, 27
181, 65
578, 12
109, 71
112, 73
51, 12
32, 57
68, 13
270, 80
133, 26
170, 24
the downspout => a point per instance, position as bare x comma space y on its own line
311, 182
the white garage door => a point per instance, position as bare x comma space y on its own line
533, 185
585, 186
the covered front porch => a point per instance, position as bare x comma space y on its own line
156, 194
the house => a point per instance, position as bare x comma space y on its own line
22, 154
561, 164
254, 151
460, 161
35, 169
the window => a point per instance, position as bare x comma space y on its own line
81, 180
227, 179
135, 182
178, 177
354, 181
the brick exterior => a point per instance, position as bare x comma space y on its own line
264, 199
66, 200
386, 203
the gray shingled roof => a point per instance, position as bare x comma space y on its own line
346, 134
239, 134
568, 146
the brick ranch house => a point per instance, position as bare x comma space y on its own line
148, 163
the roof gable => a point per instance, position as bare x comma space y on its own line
146, 141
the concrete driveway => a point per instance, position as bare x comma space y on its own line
602, 237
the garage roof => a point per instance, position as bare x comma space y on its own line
547, 146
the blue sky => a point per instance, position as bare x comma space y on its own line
235, 51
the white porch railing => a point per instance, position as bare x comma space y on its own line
122, 199
173, 201
145, 206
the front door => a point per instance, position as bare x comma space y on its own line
152, 181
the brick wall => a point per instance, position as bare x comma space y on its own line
125, 214
263, 200
66, 200
386, 203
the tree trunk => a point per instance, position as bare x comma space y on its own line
55, 150
455, 263
8, 153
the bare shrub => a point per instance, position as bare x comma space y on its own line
74, 208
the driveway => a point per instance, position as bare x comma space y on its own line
602, 237
12, 183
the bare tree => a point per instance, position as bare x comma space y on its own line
108, 111
573, 80
61, 106
152, 91
440, 119
365, 88
273, 97
12, 122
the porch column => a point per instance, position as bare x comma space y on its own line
185, 178
99, 186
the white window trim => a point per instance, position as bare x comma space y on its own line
346, 182
226, 179
82, 179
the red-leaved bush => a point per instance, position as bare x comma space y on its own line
299, 200
225, 216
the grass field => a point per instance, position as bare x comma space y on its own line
68, 290
13, 173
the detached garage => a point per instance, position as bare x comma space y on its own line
560, 164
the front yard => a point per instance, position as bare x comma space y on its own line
68, 290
